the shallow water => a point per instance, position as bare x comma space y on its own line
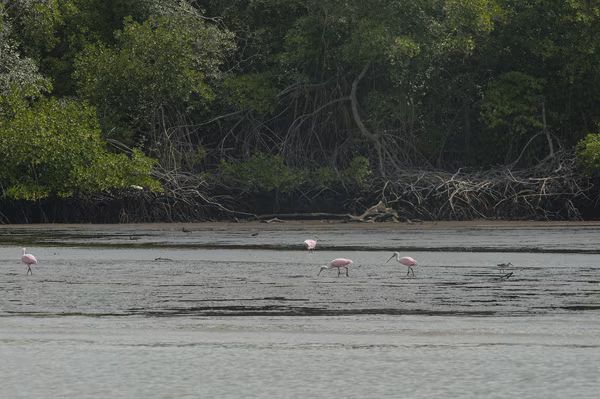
211, 312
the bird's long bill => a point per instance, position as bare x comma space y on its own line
391, 257
320, 271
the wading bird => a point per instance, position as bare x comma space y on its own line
29, 260
339, 263
406, 261
310, 244
504, 266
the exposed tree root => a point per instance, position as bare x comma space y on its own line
548, 191
552, 190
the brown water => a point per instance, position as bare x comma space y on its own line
220, 311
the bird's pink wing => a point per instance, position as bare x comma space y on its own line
408, 261
29, 259
340, 262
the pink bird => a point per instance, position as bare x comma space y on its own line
406, 261
29, 260
339, 263
310, 244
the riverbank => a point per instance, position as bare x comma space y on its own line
555, 191
450, 236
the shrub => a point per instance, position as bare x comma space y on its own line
54, 148
268, 173
262, 173
588, 153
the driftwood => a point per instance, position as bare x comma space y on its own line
272, 220
377, 213
550, 190
553, 189
304, 216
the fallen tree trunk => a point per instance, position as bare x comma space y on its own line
376, 213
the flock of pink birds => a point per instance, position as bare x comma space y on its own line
338, 263
344, 263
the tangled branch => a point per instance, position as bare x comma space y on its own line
547, 191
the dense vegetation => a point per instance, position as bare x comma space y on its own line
182, 109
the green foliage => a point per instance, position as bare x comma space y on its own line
468, 22
37, 24
265, 173
369, 41
512, 111
358, 172
588, 153
161, 63
19, 75
449, 83
513, 101
252, 91
262, 173
402, 49
54, 148
199, 155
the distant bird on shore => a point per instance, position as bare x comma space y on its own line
338, 263
503, 266
506, 276
406, 261
29, 260
310, 244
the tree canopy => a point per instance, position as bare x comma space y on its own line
297, 86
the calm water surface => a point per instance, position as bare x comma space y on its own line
237, 311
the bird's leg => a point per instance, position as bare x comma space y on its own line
408, 271
346, 272
29, 270
412, 271
339, 271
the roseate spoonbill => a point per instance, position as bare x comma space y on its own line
406, 261
29, 260
310, 244
503, 266
339, 263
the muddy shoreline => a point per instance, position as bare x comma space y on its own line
466, 236
326, 224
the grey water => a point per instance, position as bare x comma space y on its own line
237, 310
